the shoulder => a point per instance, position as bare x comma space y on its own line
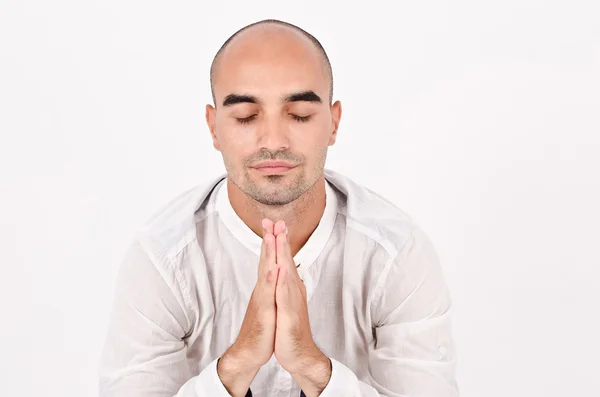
372, 215
173, 225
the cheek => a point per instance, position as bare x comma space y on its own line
236, 141
314, 152
237, 152
314, 137
234, 154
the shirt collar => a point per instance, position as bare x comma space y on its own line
307, 254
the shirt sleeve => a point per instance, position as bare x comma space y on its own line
144, 353
414, 353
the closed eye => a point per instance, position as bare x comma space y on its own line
302, 119
246, 120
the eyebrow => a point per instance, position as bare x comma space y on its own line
304, 96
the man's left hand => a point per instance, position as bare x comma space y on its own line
295, 349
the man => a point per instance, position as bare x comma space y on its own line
280, 278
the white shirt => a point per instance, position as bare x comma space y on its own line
379, 306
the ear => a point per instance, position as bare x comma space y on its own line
336, 116
211, 121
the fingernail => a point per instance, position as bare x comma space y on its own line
286, 230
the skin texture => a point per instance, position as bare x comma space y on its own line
269, 63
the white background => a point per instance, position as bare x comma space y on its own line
480, 119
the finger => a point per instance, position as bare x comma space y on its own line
279, 227
267, 251
273, 269
267, 226
284, 252
282, 259
270, 255
267, 229
288, 254
281, 290
270, 266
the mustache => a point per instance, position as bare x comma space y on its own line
277, 156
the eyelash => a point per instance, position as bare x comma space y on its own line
300, 119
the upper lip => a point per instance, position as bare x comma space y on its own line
274, 164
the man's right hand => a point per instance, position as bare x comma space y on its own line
255, 343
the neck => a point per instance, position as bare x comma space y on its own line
301, 216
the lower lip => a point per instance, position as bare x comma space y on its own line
273, 170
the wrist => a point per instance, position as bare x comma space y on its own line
235, 373
314, 375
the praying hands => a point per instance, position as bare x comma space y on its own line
276, 321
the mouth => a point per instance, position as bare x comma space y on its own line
270, 170
273, 167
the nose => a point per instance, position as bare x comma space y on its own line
273, 134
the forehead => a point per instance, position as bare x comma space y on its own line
269, 63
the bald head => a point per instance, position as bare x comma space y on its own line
270, 35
